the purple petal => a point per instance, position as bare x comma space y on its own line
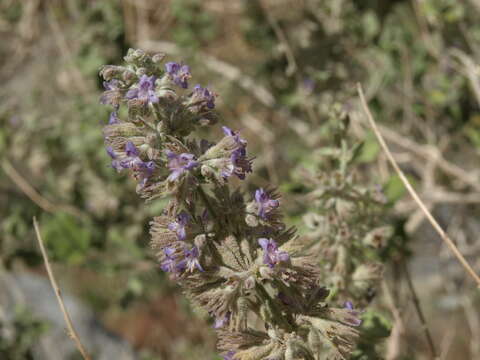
132, 94
348, 305
263, 243
113, 119
131, 149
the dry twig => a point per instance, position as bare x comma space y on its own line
413, 193
71, 330
33, 194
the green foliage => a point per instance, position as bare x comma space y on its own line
375, 327
66, 238
20, 335
194, 26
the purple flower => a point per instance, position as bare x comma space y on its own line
222, 321
171, 264
179, 73
111, 95
191, 259
142, 170
111, 85
203, 96
178, 226
271, 254
131, 149
265, 203
176, 263
116, 163
145, 91
236, 135
132, 159
179, 163
229, 355
240, 163
113, 119
353, 315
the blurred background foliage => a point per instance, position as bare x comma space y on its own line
280, 66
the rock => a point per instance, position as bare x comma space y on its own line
35, 294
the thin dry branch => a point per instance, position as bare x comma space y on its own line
432, 154
71, 330
413, 193
33, 194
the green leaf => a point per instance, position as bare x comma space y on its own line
370, 149
394, 188
66, 239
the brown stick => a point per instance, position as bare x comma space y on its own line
33, 194
413, 193
71, 330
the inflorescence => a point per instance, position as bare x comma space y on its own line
231, 253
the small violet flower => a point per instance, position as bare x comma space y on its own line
142, 170
113, 119
111, 96
145, 90
240, 163
236, 135
220, 322
191, 259
229, 355
179, 73
353, 318
178, 226
115, 161
179, 163
202, 96
271, 254
265, 203
170, 264
111, 85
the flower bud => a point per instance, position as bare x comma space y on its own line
251, 220
158, 57
249, 283
121, 129
141, 71
129, 76
200, 241
377, 238
108, 72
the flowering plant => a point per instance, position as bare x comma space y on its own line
230, 252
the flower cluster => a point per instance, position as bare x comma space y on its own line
233, 257
345, 220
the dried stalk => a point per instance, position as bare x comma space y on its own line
71, 330
413, 193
